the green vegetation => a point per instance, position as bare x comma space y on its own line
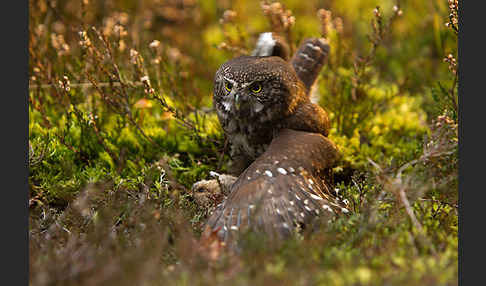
121, 125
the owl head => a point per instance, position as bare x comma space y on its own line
256, 87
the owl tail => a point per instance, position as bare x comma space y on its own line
309, 60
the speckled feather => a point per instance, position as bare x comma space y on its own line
309, 59
283, 103
284, 189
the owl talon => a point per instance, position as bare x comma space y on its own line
212, 192
207, 193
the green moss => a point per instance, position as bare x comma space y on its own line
392, 133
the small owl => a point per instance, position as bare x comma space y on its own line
277, 139
255, 97
283, 190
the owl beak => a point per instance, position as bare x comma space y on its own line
237, 102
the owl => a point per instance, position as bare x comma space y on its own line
277, 139
306, 63
283, 191
255, 97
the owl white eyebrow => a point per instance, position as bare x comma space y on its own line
243, 85
235, 84
230, 80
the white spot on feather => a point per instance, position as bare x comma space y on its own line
305, 56
268, 173
315, 197
327, 208
317, 48
227, 105
282, 171
258, 107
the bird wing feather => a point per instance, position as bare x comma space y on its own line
279, 194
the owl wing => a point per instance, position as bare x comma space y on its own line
309, 117
309, 60
283, 191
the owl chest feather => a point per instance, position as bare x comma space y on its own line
250, 137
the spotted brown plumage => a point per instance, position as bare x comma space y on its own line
283, 189
277, 140
251, 119
309, 60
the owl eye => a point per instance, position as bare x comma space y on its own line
256, 88
228, 86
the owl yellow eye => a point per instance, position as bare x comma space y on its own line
228, 86
256, 88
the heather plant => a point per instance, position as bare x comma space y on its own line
121, 125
